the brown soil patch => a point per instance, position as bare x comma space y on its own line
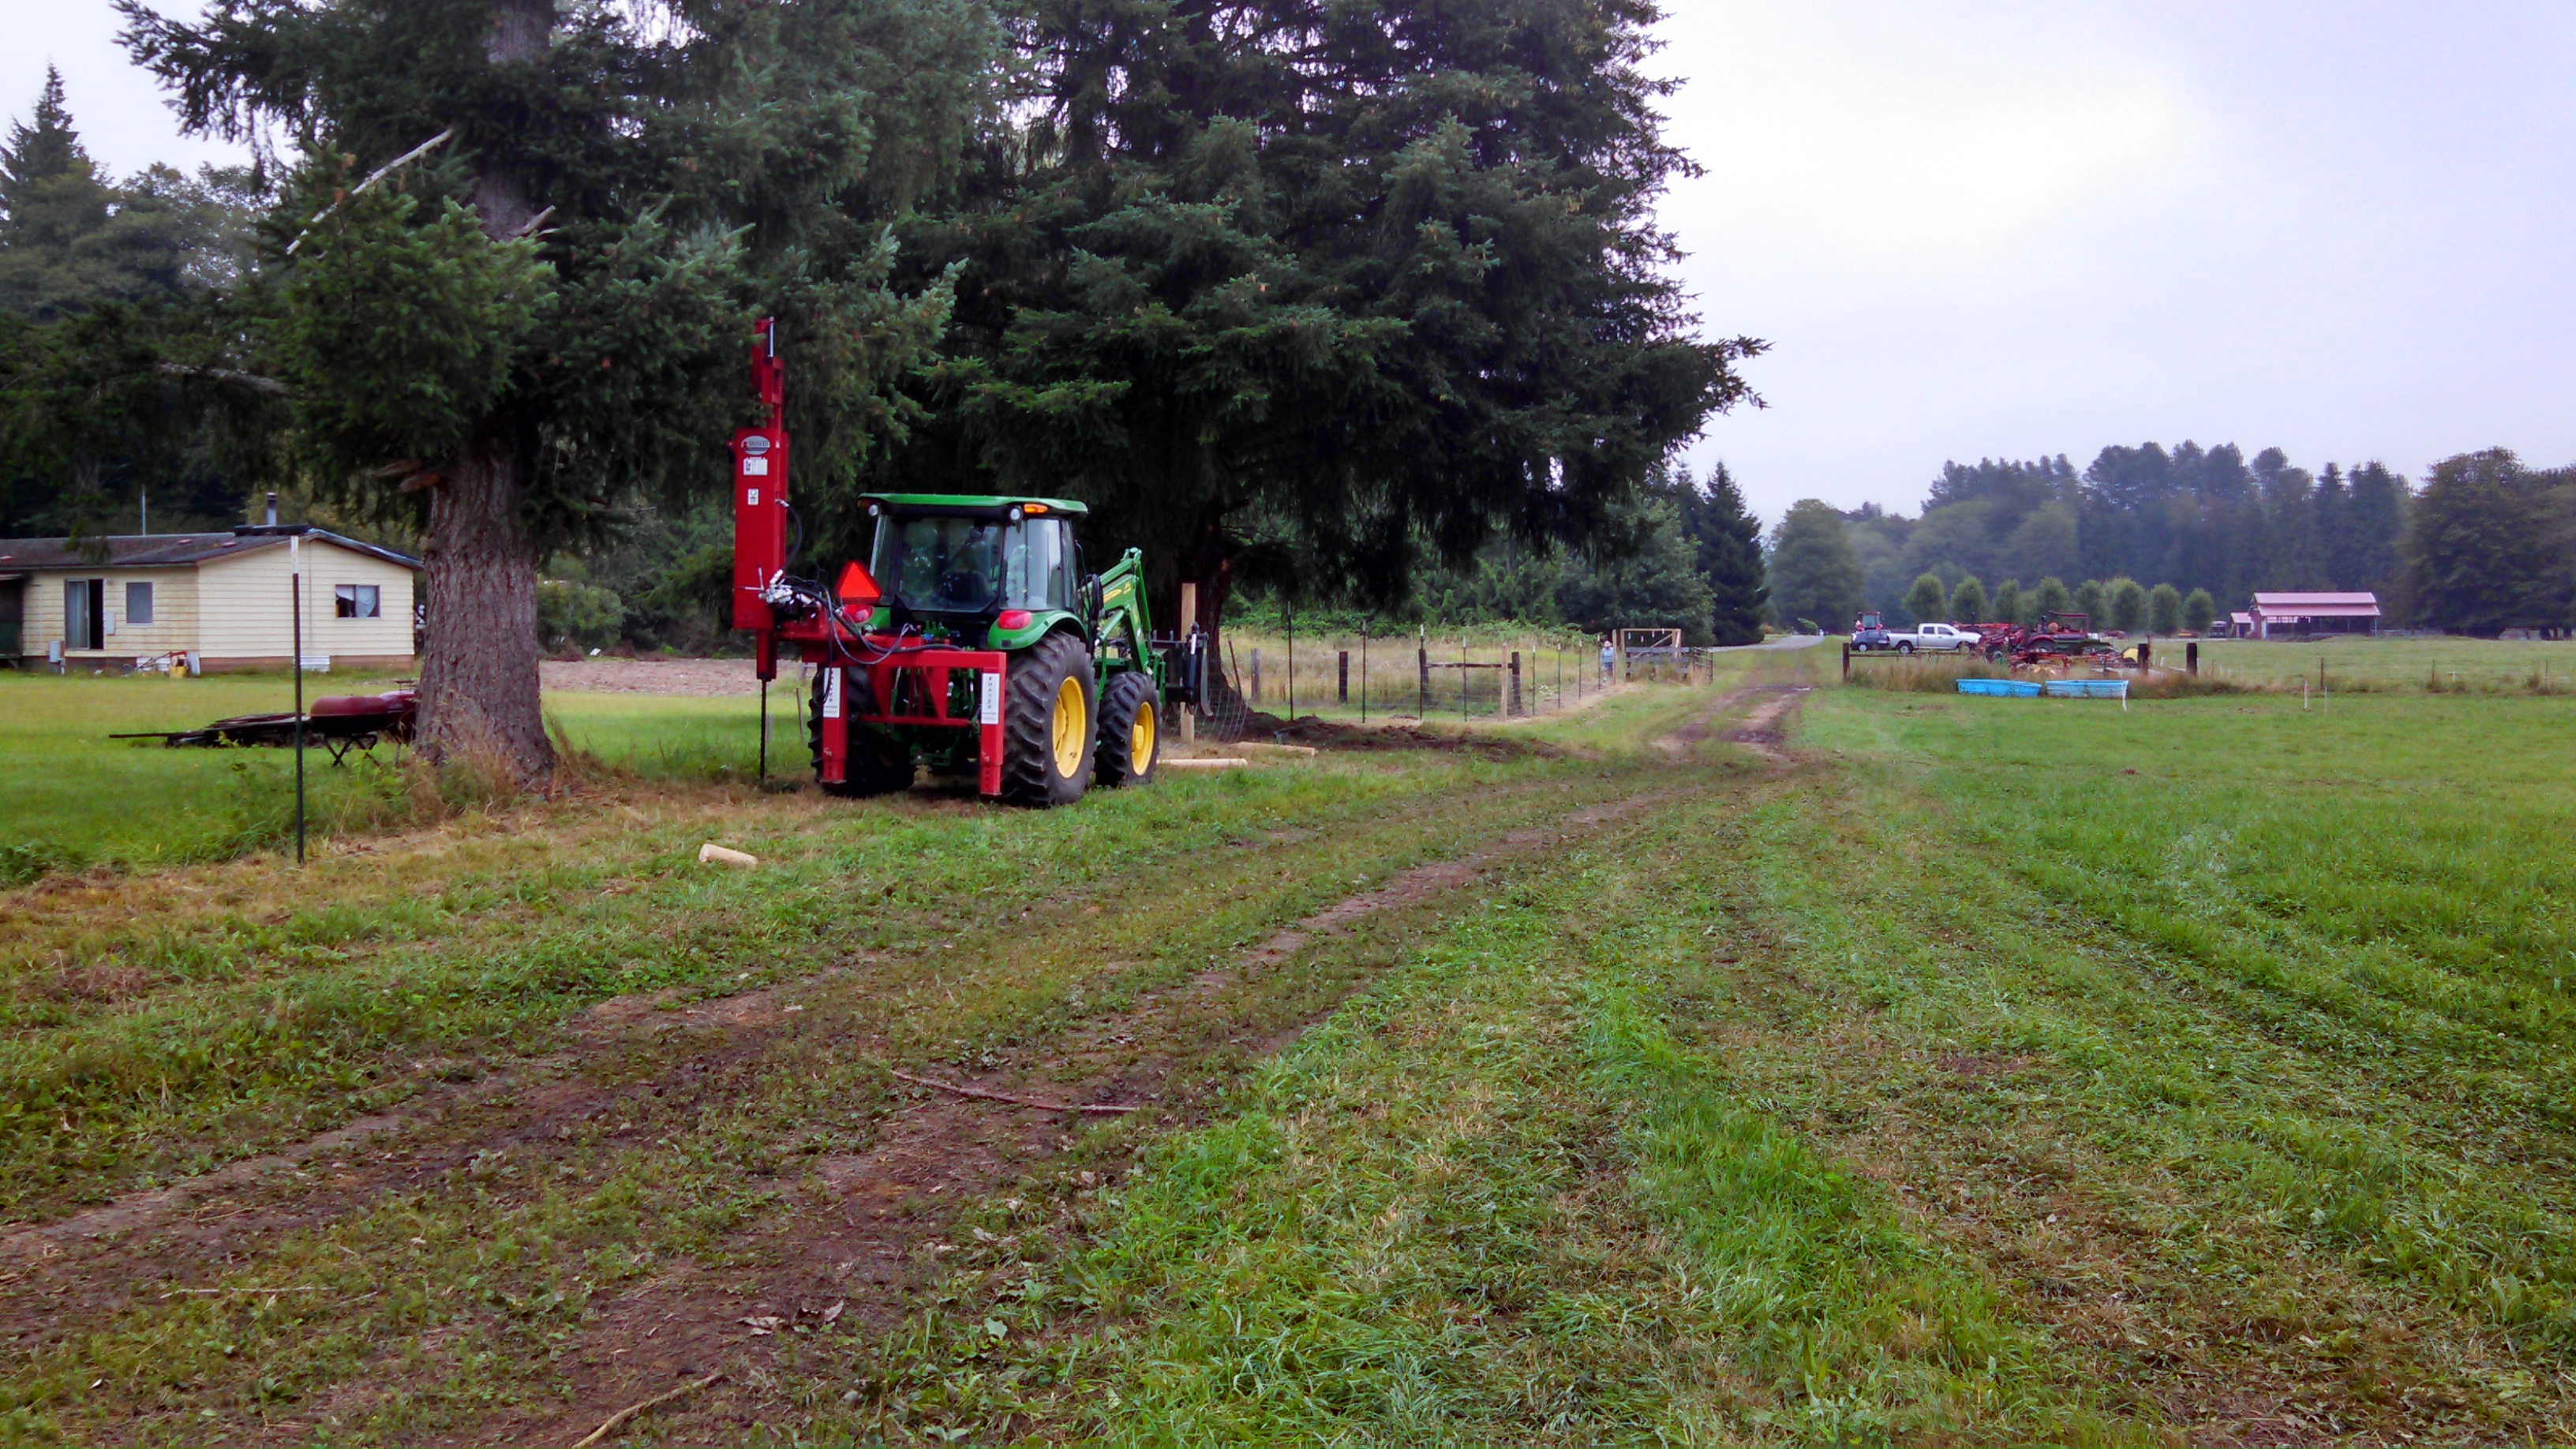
607, 675
1397, 733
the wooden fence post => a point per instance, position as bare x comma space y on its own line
1256, 676
1513, 706
1342, 688
1422, 664
1189, 620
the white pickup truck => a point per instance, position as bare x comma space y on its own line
1929, 637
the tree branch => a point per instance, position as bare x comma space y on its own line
379, 174
250, 380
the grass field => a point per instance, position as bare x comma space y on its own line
76, 797
2494, 666
1960, 1070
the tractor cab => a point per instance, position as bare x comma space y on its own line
971, 566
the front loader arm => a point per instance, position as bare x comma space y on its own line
1123, 619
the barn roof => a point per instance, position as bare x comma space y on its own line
173, 550
2319, 606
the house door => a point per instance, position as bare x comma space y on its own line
84, 613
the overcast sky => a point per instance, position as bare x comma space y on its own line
1985, 227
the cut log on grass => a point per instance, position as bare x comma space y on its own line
1227, 762
981, 1095
618, 1420
714, 854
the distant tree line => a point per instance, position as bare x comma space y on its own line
2159, 538
1684, 554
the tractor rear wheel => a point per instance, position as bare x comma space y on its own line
1131, 729
1050, 711
877, 763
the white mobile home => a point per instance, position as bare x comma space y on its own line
218, 600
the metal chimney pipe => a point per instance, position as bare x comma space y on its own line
272, 510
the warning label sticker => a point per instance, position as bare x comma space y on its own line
991, 711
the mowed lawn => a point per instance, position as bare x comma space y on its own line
70, 796
1990, 1070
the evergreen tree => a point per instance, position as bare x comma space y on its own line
1728, 541
51, 201
545, 313
2092, 600
2127, 601
2375, 521
2198, 609
69, 239
1656, 583
1927, 601
2484, 551
1968, 601
2050, 598
2164, 609
1814, 575
1300, 292
2007, 608
2332, 507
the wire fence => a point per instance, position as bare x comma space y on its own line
1353, 677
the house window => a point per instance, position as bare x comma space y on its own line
138, 603
358, 601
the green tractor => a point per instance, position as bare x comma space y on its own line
970, 641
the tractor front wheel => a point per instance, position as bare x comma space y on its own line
1131, 729
1050, 711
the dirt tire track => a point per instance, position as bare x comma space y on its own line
67, 1274
949, 1143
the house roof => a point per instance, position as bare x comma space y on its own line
173, 550
2319, 606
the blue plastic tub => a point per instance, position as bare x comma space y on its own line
2088, 689
2007, 688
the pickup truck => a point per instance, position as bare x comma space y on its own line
1929, 637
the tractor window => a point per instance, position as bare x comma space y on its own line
940, 565
1038, 565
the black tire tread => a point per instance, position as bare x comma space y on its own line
1028, 707
1126, 693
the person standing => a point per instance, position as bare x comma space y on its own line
1608, 657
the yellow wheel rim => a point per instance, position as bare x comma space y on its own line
1140, 739
1071, 723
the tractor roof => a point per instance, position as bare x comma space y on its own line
972, 502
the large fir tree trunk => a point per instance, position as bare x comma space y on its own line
478, 684
478, 681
